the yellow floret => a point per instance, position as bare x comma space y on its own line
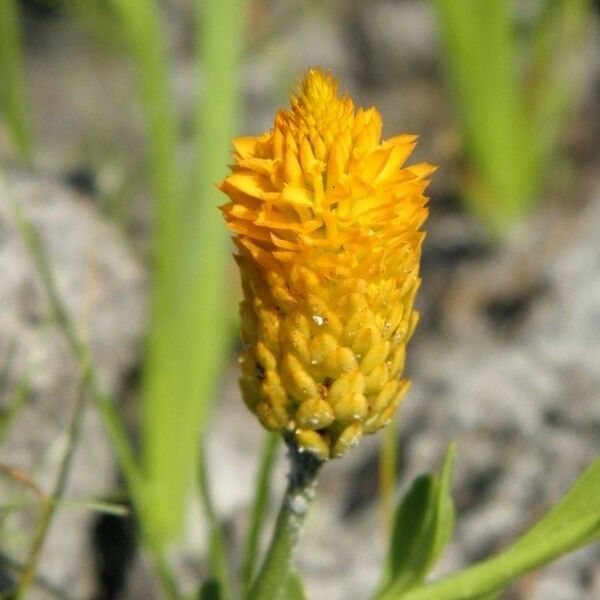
327, 222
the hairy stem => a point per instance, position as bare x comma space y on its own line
301, 490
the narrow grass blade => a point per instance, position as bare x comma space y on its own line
188, 334
480, 50
202, 309
12, 77
217, 553
103, 403
166, 462
17, 401
259, 508
50, 504
388, 462
552, 79
89, 376
107, 508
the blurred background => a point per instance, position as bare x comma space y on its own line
118, 297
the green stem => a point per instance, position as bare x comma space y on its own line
257, 516
16, 403
51, 503
12, 90
387, 473
300, 492
217, 555
91, 382
50, 588
89, 376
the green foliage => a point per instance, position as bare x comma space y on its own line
168, 468
422, 526
13, 105
510, 118
510, 134
188, 333
573, 523
189, 326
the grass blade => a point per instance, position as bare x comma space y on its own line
188, 335
50, 504
480, 51
102, 401
107, 508
206, 331
12, 89
388, 462
165, 462
19, 397
259, 508
217, 554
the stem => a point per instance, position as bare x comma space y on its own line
50, 504
257, 516
217, 555
91, 382
79, 349
302, 484
387, 474
12, 73
50, 588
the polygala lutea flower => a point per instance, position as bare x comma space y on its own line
327, 222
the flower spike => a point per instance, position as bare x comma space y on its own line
327, 221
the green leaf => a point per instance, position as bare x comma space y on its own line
422, 526
12, 91
481, 53
294, 587
574, 522
187, 342
580, 509
445, 513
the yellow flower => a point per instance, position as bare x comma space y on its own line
327, 222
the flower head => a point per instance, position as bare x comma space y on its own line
327, 222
